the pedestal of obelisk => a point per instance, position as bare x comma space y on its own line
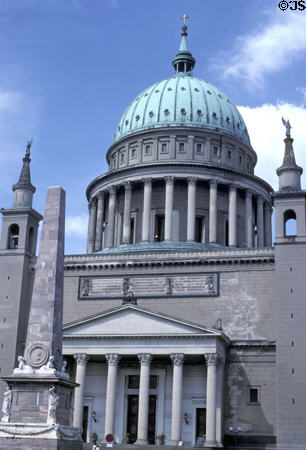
37, 403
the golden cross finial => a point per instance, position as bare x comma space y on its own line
185, 17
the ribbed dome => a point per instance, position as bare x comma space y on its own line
183, 100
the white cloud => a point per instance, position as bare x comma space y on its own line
267, 134
302, 91
267, 50
77, 225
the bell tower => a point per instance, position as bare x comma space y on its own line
17, 259
290, 301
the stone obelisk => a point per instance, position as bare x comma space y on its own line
37, 402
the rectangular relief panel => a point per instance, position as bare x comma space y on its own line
184, 285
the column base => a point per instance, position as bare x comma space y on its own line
141, 442
211, 444
173, 442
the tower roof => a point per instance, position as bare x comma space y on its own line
25, 174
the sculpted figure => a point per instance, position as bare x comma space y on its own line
21, 361
6, 407
85, 287
287, 125
53, 403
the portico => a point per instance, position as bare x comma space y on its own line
170, 369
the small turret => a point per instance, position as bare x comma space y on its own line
184, 62
289, 172
23, 189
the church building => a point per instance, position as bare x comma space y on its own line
183, 324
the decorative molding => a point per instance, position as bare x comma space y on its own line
145, 358
177, 358
211, 359
112, 359
81, 358
128, 185
198, 285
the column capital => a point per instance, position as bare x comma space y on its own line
213, 183
248, 194
92, 203
211, 359
112, 358
268, 206
101, 195
147, 181
177, 358
233, 187
112, 190
169, 180
192, 180
260, 199
81, 358
145, 358
128, 185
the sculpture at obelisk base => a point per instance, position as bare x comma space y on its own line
37, 402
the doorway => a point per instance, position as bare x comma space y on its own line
132, 418
200, 423
85, 424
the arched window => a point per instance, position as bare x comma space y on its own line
13, 236
31, 240
289, 223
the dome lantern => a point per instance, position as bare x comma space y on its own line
184, 62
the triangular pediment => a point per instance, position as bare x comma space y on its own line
130, 320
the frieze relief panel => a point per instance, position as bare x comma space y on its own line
198, 285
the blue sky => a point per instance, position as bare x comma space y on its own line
69, 68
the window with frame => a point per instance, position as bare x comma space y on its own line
215, 150
254, 395
181, 147
229, 154
164, 147
199, 148
122, 157
133, 153
148, 150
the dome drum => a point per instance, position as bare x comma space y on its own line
196, 146
143, 214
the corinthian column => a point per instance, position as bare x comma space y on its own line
143, 408
92, 207
268, 230
146, 215
232, 216
112, 360
260, 222
248, 218
100, 217
191, 211
127, 212
213, 211
169, 208
177, 389
111, 217
211, 399
81, 359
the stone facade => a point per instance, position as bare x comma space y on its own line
181, 321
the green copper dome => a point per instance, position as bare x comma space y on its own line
183, 100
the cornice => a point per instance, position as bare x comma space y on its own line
226, 258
